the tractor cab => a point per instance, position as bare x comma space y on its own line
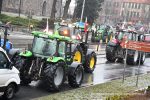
69, 30
52, 45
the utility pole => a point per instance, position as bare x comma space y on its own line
19, 7
82, 11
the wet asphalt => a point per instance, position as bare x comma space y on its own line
104, 72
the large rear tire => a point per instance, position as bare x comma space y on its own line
75, 76
90, 63
54, 76
23, 64
143, 58
132, 59
110, 53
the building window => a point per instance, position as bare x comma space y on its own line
131, 14
134, 14
136, 6
138, 15
132, 5
139, 6
129, 5
123, 5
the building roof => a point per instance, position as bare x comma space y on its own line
138, 1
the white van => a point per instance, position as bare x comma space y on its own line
9, 76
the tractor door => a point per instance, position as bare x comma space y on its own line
68, 54
65, 51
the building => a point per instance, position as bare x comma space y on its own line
110, 11
32, 7
136, 10
125, 10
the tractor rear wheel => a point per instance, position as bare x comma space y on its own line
110, 53
78, 55
54, 76
75, 76
143, 58
90, 63
133, 59
22, 64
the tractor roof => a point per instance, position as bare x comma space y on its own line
53, 36
80, 24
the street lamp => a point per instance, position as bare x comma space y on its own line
82, 10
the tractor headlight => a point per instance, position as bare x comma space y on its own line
64, 33
73, 37
70, 25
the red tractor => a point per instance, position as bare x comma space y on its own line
115, 48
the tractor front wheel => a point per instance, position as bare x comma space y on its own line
54, 76
90, 63
133, 59
110, 53
75, 76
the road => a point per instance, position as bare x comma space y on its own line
104, 72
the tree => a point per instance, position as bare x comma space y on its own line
91, 11
53, 9
51, 22
66, 7
1, 1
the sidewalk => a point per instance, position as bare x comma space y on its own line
99, 92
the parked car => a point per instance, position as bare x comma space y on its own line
9, 76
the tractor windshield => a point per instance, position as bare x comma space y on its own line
45, 47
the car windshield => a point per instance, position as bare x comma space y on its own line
45, 47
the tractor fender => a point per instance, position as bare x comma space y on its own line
55, 59
90, 52
73, 67
26, 54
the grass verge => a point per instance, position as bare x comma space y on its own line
115, 87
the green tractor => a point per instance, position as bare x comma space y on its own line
103, 33
55, 58
50, 60
81, 51
96, 33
